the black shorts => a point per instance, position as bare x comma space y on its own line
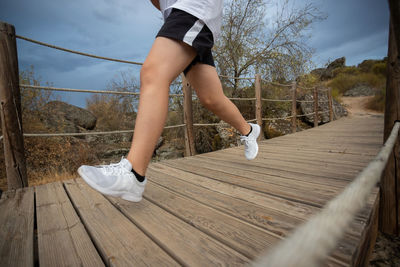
185, 27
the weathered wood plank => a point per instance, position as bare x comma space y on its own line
187, 243
275, 221
62, 239
300, 168
305, 160
116, 238
243, 237
16, 231
240, 167
287, 188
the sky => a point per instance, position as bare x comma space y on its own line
125, 29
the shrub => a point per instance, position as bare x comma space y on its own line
377, 103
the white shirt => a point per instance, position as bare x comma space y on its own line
208, 11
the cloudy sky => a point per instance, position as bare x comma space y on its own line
125, 29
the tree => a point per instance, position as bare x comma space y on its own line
116, 112
251, 41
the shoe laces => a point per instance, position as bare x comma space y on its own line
114, 168
246, 140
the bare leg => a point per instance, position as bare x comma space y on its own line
166, 60
205, 80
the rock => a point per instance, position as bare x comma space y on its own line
160, 142
328, 72
323, 108
228, 136
75, 115
361, 90
168, 151
115, 153
386, 251
275, 128
337, 63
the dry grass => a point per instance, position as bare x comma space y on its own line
51, 177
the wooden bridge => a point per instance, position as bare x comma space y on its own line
205, 210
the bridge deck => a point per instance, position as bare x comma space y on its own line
210, 209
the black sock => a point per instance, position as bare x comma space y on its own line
251, 129
139, 177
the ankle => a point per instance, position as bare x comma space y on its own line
139, 177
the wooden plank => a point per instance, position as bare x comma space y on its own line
304, 160
249, 205
321, 157
239, 168
333, 157
184, 240
117, 239
272, 221
62, 239
333, 150
16, 231
311, 196
368, 236
302, 168
260, 180
293, 208
235, 233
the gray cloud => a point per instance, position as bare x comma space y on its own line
125, 29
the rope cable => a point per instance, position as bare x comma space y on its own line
84, 90
77, 52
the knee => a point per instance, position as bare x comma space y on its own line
152, 76
211, 102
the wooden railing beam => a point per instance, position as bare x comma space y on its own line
389, 212
10, 109
190, 149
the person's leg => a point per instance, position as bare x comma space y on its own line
166, 60
205, 80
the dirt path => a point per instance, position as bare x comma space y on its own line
356, 106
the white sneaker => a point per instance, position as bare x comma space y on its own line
250, 142
115, 180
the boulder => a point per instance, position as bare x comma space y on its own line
280, 127
361, 90
168, 151
228, 136
60, 115
328, 72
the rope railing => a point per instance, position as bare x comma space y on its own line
312, 242
85, 90
236, 78
257, 83
276, 100
77, 52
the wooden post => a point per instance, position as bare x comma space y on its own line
190, 149
294, 107
11, 117
389, 211
257, 89
315, 106
330, 104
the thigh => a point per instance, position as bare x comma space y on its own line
168, 58
204, 79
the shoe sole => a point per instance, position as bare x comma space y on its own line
258, 130
122, 194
